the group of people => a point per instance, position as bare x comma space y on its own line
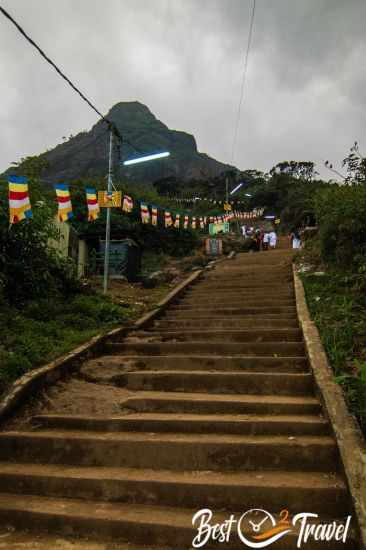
261, 239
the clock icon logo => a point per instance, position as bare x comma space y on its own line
258, 528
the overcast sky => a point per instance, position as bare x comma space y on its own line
305, 97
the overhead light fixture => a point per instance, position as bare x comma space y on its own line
146, 158
236, 188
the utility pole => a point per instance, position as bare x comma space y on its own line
108, 224
227, 189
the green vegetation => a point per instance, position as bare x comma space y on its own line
337, 299
44, 310
340, 212
337, 303
44, 329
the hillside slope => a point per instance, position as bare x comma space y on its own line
86, 154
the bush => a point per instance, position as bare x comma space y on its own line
340, 211
28, 266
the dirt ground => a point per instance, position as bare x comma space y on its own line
71, 396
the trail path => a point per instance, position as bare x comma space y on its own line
212, 406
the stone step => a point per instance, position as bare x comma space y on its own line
233, 286
238, 268
273, 349
230, 296
240, 301
247, 278
189, 423
252, 318
157, 525
203, 403
105, 368
234, 269
237, 310
228, 335
244, 276
237, 324
240, 277
224, 382
171, 451
244, 273
322, 493
244, 286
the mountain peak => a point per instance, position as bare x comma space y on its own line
86, 155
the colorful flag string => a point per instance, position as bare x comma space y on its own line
20, 208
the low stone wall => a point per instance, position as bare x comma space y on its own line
351, 444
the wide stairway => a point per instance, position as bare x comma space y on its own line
223, 415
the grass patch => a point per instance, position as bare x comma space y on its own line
151, 262
44, 330
337, 304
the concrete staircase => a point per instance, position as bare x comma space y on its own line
224, 416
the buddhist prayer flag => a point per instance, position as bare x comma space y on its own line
186, 222
154, 215
177, 220
64, 202
93, 205
145, 214
19, 203
127, 205
168, 219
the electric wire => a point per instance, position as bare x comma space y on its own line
244, 77
111, 125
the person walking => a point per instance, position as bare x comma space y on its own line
265, 240
296, 240
272, 239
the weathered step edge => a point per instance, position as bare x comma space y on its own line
351, 444
32, 382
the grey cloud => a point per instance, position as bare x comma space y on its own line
183, 58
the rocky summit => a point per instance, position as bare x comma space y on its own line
86, 154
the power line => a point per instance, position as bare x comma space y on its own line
75, 88
245, 69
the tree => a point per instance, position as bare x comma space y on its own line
32, 166
355, 164
297, 169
